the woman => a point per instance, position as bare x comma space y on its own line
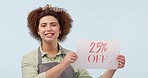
50, 25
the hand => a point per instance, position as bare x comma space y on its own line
121, 61
70, 57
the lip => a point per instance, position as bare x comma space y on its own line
46, 33
49, 35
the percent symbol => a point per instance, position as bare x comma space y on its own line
101, 47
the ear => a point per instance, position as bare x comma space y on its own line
38, 32
60, 32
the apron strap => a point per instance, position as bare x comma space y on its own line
40, 67
39, 56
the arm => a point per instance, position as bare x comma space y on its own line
29, 67
110, 72
58, 69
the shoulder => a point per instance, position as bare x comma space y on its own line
31, 57
32, 53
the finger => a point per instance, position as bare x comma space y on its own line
74, 58
121, 61
120, 65
120, 57
74, 55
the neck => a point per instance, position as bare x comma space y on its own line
50, 48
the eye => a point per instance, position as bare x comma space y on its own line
54, 25
43, 25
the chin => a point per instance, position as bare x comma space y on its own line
50, 40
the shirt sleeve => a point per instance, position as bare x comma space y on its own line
29, 68
83, 73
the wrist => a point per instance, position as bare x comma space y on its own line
109, 73
112, 70
64, 64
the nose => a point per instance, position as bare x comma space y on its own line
49, 27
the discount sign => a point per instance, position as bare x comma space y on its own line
97, 54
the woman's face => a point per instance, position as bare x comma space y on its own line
49, 28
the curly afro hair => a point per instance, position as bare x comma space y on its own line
63, 17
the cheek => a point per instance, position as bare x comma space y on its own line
40, 31
58, 30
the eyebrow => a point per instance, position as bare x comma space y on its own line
54, 22
51, 23
43, 23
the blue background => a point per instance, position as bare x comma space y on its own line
122, 20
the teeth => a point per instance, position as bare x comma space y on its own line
50, 33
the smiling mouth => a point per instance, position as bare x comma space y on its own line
49, 34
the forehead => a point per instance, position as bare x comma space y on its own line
48, 19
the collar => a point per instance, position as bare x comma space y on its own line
60, 52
